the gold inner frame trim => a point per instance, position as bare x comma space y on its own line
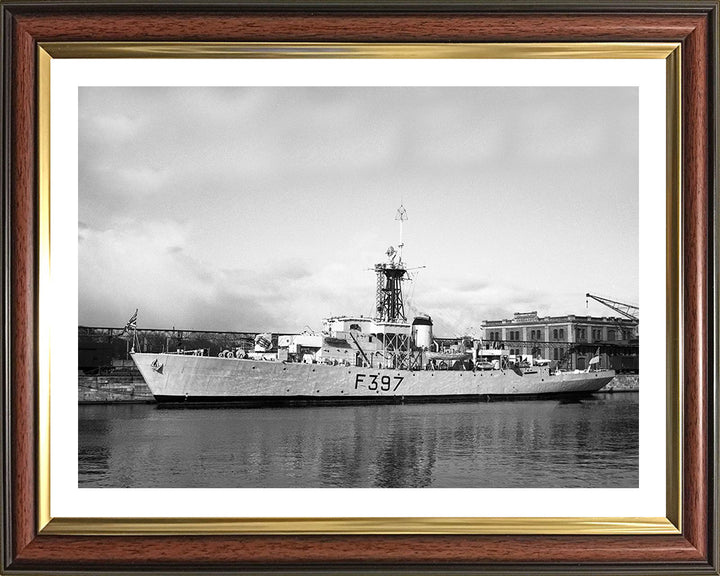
289, 526
555, 50
435, 525
43, 395
673, 312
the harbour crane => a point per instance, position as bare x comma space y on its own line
630, 311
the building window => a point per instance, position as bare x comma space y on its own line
611, 335
555, 336
555, 354
562, 334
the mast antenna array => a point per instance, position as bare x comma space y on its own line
389, 304
401, 216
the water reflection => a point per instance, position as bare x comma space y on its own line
93, 453
534, 444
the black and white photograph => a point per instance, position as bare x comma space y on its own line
358, 287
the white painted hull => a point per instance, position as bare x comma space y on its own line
177, 379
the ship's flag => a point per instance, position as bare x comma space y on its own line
594, 360
132, 323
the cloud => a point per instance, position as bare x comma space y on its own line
109, 127
262, 208
459, 306
150, 265
147, 264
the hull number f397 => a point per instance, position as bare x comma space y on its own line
377, 382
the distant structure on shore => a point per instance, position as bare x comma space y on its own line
571, 340
103, 347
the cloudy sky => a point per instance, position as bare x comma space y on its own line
263, 208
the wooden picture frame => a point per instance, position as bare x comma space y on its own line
32, 545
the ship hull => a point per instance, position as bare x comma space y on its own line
178, 380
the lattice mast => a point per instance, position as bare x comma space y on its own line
389, 304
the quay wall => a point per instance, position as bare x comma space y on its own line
623, 383
120, 384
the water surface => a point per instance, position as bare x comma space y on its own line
591, 443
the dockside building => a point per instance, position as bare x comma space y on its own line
571, 340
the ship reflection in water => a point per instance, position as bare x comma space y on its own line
592, 443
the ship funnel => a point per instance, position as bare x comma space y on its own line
422, 333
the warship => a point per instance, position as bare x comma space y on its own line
361, 360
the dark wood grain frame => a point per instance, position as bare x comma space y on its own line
26, 24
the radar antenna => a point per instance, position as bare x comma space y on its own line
401, 216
